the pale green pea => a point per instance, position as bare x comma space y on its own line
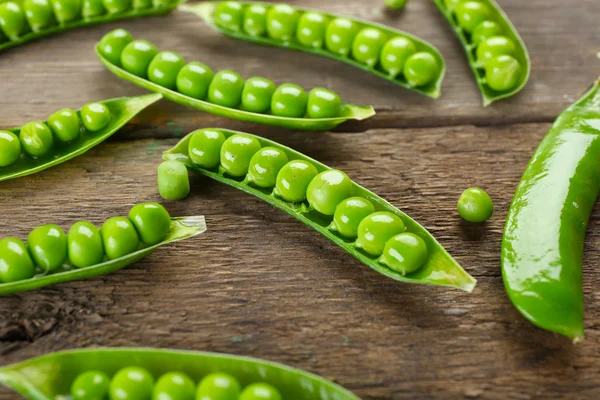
367, 46
404, 253
117, 6
119, 237
131, 383
311, 29
65, 125
348, 215
236, 153
485, 30
152, 222
229, 15
323, 103
255, 20
12, 19
204, 148
218, 386
260, 391
471, 13
174, 386
282, 21
475, 205
503, 73
173, 180
39, 14
90, 385
421, 68
48, 246
92, 8
66, 10
36, 139
289, 101
112, 44
194, 80
265, 165
340, 35
293, 180
494, 47
328, 189
137, 56
226, 89
257, 94
95, 116
395, 53
376, 229
15, 261
10, 148
85, 246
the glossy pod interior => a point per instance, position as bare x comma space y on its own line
391, 54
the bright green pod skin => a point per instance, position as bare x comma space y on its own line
15, 261
90, 385
226, 89
13, 21
131, 383
289, 101
194, 80
65, 125
141, 4
174, 386
152, 222
236, 153
92, 8
137, 56
293, 180
257, 94
164, 68
95, 116
395, 53
255, 20
85, 245
311, 29
36, 139
323, 103
48, 247
205, 147
475, 205
348, 215
452, 4
229, 15
112, 44
119, 237
173, 180
66, 10
265, 165
218, 386
260, 391
494, 47
503, 73
328, 189
395, 4
39, 14
10, 148
117, 6
376, 229
484, 31
367, 46
421, 68
161, 3
282, 20
404, 253
471, 13
340, 35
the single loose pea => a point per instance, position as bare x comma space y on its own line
194, 79
13, 21
257, 94
173, 180
229, 15
265, 165
494, 47
503, 73
293, 180
117, 6
475, 205
340, 35
15, 261
92, 8
395, 53
260, 391
367, 46
255, 20
48, 246
395, 4
119, 237
152, 222
204, 147
95, 116
236, 153
136, 57
90, 385
131, 383
289, 101
164, 67
376, 229
112, 44
174, 386
485, 30
421, 68
226, 89
39, 14
282, 20
328, 189
65, 125
218, 386
348, 215
85, 245
471, 13
404, 253
311, 29
66, 10
10, 148
36, 138
323, 103
141, 4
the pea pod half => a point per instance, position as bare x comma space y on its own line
542, 245
391, 54
305, 189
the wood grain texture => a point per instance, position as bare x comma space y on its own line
259, 283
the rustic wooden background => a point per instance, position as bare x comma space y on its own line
261, 284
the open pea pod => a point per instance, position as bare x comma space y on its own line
438, 269
431, 88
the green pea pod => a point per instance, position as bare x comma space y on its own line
440, 268
206, 11
543, 239
50, 376
122, 111
181, 228
502, 27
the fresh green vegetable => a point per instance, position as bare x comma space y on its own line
265, 165
36, 139
289, 101
173, 180
204, 147
376, 229
323, 103
137, 56
92, 8
65, 124
90, 385
282, 20
10, 148
421, 68
218, 386
226, 89
348, 215
395, 4
395, 53
174, 386
119, 237
48, 247
367, 46
85, 245
475, 205
39, 14
255, 20
311, 29
152, 222
236, 153
164, 68
131, 383
327, 190
293, 180
95, 116
405, 253
12, 19
260, 391
257, 95
194, 79
494, 47
15, 262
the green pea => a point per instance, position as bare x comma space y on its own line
136, 57
255, 20
260, 391
376, 229
10, 148
173, 180
421, 68
112, 44
348, 215
236, 153
174, 386
194, 79
85, 245
12, 19
282, 20
95, 116
119, 237
289, 101
503, 73
164, 68
48, 246
257, 94
92, 8
15, 261
328, 189
340, 35
218, 386
66, 10
65, 125
226, 89
471, 13
323, 103
90, 385
152, 222
39, 14
485, 30
475, 205
117, 6
293, 180
229, 15
451, 5
161, 3
494, 47
131, 383
395, 4
36, 139
141, 4
367, 46
204, 147
265, 165
395, 53
404, 253
311, 29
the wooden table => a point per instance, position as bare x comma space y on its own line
261, 284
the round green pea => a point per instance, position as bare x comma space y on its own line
85, 246
10, 148
282, 20
367, 46
204, 147
136, 57
255, 20
48, 246
36, 139
395, 53
119, 237
293, 180
376, 229
311, 29
323, 103
395, 4
112, 44
226, 89
475, 205
348, 215
328, 189
289, 101
95, 116
141, 4
164, 68
117, 6
472, 13
65, 125
66, 10
39, 14
265, 165
340, 35
13, 21
229, 15
218, 386
174, 386
92, 8
404, 253
452, 4
485, 30
90, 385
494, 47
257, 94
131, 383
236, 153
260, 391
503, 73
194, 80
173, 180
421, 68
15, 261
152, 222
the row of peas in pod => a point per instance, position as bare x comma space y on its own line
225, 88
49, 249
367, 45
